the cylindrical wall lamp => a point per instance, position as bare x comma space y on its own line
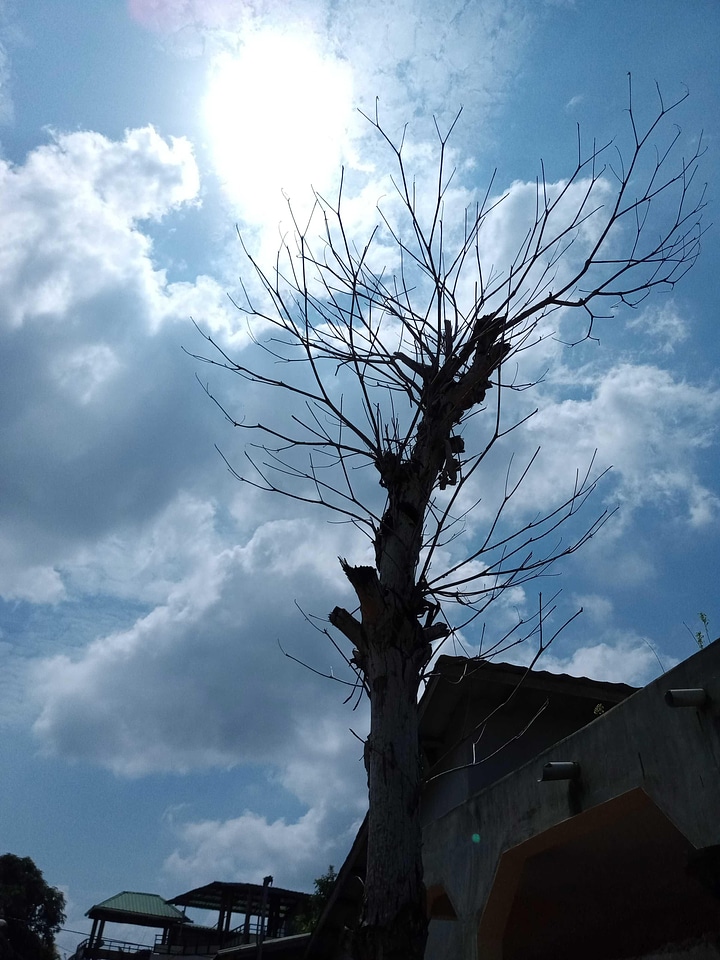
560, 770
691, 697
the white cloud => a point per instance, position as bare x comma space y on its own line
623, 658
82, 371
655, 431
247, 847
664, 323
704, 507
206, 301
651, 427
15, 709
325, 771
37, 583
69, 216
424, 54
100, 501
200, 680
574, 102
596, 607
250, 847
91, 347
153, 560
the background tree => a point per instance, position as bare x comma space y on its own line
34, 911
388, 367
307, 921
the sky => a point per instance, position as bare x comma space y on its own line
154, 736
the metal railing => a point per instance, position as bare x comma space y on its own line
208, 941
111, 950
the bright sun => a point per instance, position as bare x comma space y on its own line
277, 116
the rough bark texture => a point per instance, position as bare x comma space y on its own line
394, 925
391, 649
391, 652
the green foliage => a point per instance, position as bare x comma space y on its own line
308, 919
698, 636
34, 911
701, 637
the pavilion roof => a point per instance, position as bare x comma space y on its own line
140, 909
239, 897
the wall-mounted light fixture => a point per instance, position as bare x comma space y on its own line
560, 770
691, 697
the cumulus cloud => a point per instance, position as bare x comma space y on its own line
623, 658
171, 15
250, 847
247, 846
324, 770
90, 344
651, 426
36, 583
595, 606
200, 680
70, 212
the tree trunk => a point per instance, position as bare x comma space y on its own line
394, 923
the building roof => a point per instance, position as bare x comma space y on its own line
485, 680
504, 688
239, 897
141, 909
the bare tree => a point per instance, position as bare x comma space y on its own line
386, 367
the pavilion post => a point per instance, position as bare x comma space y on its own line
267, 881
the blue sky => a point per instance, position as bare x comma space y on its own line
153, 735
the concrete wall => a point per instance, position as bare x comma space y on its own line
703, 948
497, 752
496, 727
671, 756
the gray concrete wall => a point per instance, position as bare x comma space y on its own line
520, 730
672, 754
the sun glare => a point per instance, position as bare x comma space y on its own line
277, 117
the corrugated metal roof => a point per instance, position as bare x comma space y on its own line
145, 905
